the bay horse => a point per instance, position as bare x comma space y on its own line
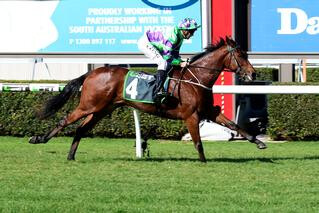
102, 92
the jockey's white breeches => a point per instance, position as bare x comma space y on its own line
151, 52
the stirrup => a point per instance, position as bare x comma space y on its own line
164, 100
162, 93
161, 97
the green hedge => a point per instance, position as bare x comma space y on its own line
267, 74
293, 117
17, 118
271, 74
313, 75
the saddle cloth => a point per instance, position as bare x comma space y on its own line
139, 87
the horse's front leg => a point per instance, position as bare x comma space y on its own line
80, 131
222, 120
192, 124
89, 122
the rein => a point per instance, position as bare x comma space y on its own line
198, 83
206, 68
190, 81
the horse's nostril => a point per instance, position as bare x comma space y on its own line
254, 75
248, 78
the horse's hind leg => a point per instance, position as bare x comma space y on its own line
192, 124
85, 126
222, 120
65, 121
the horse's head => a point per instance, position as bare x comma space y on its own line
237, 61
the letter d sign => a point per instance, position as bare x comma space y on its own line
286, 16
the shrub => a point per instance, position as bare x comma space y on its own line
313, 75
17, 118
293, 117
267, 74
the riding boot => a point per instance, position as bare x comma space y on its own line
159, 92
160, 79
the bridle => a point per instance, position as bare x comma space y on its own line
231, 50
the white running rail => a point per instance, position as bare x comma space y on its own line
266, 89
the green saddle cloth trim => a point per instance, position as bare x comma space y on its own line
166, 83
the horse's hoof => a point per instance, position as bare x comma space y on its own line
261, 146
36, 140
33, 140
203, 160
71, 159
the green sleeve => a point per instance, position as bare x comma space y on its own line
176, 61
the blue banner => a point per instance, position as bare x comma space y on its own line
104, 26
285, 26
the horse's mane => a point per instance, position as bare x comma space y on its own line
210, 48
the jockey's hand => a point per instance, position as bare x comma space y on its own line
184, 64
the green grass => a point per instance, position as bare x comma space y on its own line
106, 177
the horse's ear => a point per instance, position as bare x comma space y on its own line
230, 41
227, 39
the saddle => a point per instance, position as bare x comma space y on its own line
140, 87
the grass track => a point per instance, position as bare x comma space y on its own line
106, 177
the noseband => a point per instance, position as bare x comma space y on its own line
231, 50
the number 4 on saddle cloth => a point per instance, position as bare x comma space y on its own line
140, 86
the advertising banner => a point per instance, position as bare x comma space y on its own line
91, 26
285, 26
221, 27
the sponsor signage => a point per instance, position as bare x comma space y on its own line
12, 87
285, 26
91, 26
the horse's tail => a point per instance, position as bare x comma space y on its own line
58, 101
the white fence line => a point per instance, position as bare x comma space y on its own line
139, 59
34, 87
256, 61
269, 89
219, 89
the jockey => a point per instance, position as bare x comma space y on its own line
164, 50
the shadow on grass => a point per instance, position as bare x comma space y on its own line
185, 159
55, 152
222, 160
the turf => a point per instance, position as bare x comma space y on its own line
106, 177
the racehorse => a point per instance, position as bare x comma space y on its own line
102, 92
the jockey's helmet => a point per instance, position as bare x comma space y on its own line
188, 24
